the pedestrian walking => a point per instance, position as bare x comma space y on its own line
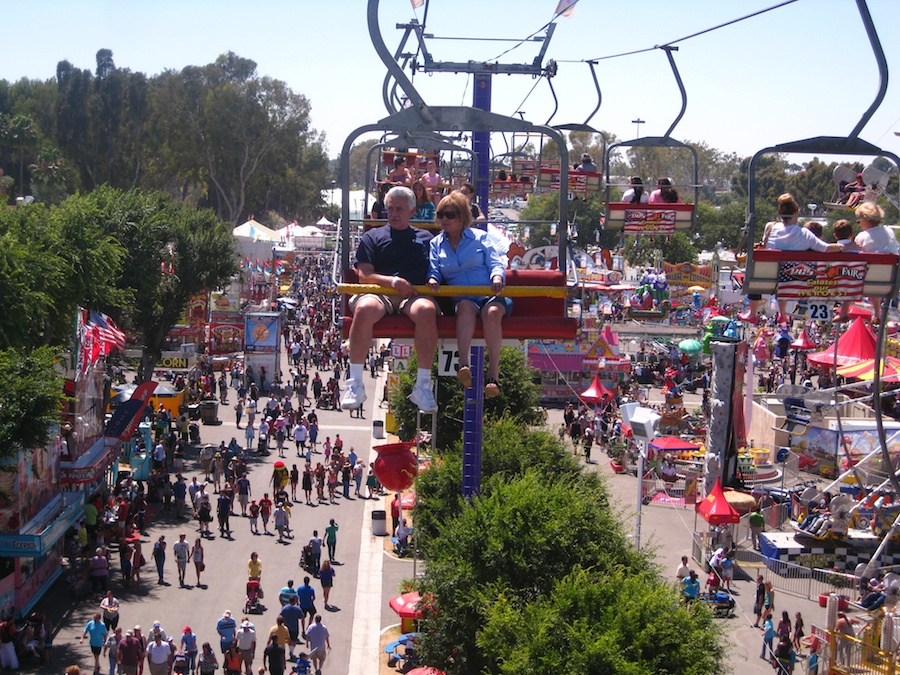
265, 510
331, 538
295, 480
326, 578
159, 656
197, 557
109, 606
207, 663
226, 627
96, 632
319, 644
238, 412
307, 484
306, 597
189, 647
182, 552
253, 510
159, 557
111, 649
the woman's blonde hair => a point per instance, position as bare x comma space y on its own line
458, 202
869, 211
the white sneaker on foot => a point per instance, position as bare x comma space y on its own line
354, 395
422, 397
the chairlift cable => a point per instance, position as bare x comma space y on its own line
537, 81
556, 15
682, 39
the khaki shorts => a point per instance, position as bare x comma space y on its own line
393, 304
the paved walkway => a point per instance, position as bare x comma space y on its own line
366, 577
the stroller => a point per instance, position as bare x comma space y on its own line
306, 560
194, 433
262, 446
254, 593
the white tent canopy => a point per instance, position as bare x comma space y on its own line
255, 231
324, 222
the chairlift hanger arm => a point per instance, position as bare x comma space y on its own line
668, 49
390, 96
393, 67
878, 52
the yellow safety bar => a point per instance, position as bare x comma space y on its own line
456, 291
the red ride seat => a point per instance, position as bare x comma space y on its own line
532, 317
762, 270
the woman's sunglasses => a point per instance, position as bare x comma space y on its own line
449, 215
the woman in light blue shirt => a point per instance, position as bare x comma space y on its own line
461, 256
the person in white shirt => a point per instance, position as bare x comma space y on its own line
636, 194
874, 237
788, 235
683, 569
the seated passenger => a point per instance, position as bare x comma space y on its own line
399, 175
815, 227
424, 205
668, 470
461, 256
587, 164
379, 210
787, 236
394, 255
635, 194
843, 234
873, 236
664, 193
852, 193
432, 179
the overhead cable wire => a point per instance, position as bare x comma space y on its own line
537, 81
682, 39
556, 15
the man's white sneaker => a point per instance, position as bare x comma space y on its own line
422, 397
354, 395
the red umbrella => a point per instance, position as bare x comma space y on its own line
596, 393
715, 509
672, 444
407, 605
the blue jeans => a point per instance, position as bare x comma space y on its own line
766, 652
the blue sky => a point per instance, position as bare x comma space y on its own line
799, 71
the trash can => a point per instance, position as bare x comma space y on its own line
209, 412
378, 429
379, 523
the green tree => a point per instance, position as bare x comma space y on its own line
519, 399
173, 253
21, 133
52, 260
31, 393
508, 452
512, 545
239, 128
602, 622
51, 176
719, 226
676, 248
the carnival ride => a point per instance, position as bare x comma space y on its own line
866, 512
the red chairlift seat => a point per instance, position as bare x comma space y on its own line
880, 269
649, 219
533, 317
579, 181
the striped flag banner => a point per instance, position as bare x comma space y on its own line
105, 333
827, 281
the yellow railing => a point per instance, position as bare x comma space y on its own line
456, 291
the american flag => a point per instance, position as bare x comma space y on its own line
828, 281
105, 333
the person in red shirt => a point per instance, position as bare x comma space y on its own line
265, 510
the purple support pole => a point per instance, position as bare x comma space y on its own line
473, 414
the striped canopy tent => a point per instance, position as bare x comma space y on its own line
255, 231
857, 344
865, 370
